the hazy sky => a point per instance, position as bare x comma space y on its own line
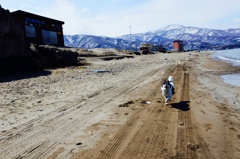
113, 17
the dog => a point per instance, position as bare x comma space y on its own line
167, 89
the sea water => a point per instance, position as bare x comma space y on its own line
233, 79
230, 56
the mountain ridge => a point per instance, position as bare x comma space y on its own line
193, 38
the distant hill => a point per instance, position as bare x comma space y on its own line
193, 37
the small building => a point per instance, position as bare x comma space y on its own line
40, 30
146, 48
178, 45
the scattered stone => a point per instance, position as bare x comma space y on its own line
193, 147
126, 104
148, 102
181, 123
78, 144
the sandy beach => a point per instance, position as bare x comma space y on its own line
114, 109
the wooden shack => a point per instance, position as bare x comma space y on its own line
178, 45
40, 30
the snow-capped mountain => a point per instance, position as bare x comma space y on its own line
172, 31
193, 38
91, 41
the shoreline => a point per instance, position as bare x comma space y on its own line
212, 74
235, 61
232, 78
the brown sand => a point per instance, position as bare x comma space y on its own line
114, 109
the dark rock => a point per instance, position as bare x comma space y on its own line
15, 54
51, 56
12, 39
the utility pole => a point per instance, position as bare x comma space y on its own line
130, 37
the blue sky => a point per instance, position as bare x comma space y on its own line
113, 17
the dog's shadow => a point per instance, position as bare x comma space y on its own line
182, 105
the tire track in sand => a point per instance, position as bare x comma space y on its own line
159, 131
42, 135
148, 132
188, 141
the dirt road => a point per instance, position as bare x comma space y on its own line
121, 113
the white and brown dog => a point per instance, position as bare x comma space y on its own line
168, 89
